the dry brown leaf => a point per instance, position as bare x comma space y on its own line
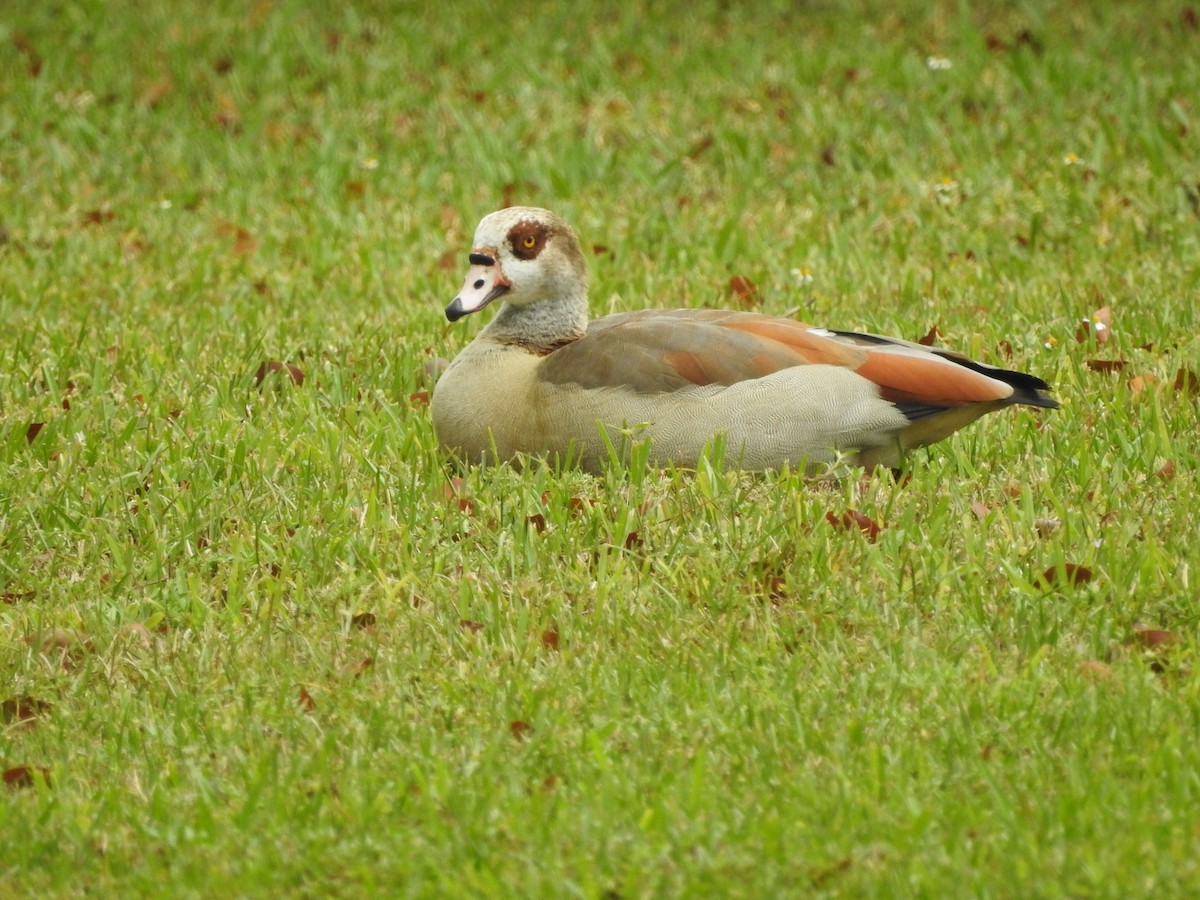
96, 217
470, 625
1139, 383
306, 700
363, 620
930, 337
537, 521
1106, 365
33, 431
294, 373
1067, 575
1153, 638
550, 638
852, 518
520, 729
25, 776
23, 710
745, 292
1187, 382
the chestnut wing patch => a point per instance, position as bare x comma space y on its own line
654, 352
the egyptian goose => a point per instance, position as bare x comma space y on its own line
541, 379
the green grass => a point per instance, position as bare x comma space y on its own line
722, 693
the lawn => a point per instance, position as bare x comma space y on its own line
258, 637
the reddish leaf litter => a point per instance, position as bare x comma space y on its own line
930, 337
851, 519
295, 375
23, 711
550, 638
1156, 645
745, 292
1067, 575
306, 700
520, 729
452, 492
25, 776
34, 429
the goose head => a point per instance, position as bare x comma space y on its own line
525, 255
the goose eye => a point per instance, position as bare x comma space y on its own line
528, 241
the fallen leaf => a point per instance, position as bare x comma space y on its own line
520, 729
295, 375
1152, 638
96, 217
1004, 349
1155, 644
33, 431
25, 47
744, 291
538, 521
13, 597
1106, 365
470, 625
1139, 383
452, 491
1067, 575
25, 776
306, 700
223, 65
363, 620
418, 399
852, 518
601, 250
930, 337
1187, 382
356, 669
633, 540
23, 710
1167, 471
550, 638
827, 156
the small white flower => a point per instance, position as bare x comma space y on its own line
370, 163
1072, 160
947, 191
938, 63
164, 203
803, 275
